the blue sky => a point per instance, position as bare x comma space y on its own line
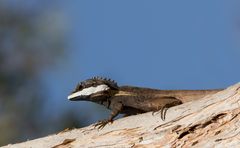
157, 44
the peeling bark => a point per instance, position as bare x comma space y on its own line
211, 121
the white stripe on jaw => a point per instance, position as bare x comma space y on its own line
89, 91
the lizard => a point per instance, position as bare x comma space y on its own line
131, 100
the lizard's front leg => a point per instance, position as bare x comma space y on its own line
117, 108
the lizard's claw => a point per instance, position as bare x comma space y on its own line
154, 112
102, 124
163, 112
166, 107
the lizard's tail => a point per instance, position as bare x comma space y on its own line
190, 95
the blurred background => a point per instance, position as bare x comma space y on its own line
47, 47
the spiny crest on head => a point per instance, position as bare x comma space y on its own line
95, 81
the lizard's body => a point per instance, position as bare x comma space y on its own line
131, 100
146, 99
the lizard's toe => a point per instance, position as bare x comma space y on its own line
102, 124
163, 112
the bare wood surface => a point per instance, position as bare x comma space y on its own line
211, 121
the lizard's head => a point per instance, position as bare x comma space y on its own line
94, 89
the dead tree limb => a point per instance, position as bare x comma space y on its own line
211, 121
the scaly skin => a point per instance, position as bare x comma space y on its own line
131, 100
